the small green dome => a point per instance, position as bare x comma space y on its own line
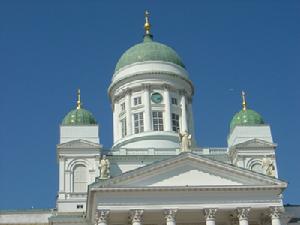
149, 50
246, 117
79, 116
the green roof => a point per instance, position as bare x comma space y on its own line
148, 50
246, 117
79, 116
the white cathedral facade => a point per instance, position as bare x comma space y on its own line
155, 174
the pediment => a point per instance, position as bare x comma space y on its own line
78, 144
255, 143
188, 169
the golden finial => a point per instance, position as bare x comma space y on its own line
78, 99
244, 103
147, 25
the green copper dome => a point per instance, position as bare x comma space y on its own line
149, 50
246, 117
79, 117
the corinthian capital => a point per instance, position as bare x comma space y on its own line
243, 213
102, 216
210, 213
170, 214
275, 212
136, 215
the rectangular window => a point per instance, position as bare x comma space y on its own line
122, 106
175, 122
158, 123
138, 119
124, 127
174, 101
137, 101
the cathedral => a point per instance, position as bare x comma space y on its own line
155, 173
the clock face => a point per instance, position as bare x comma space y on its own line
156, 97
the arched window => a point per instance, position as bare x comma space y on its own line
80, 178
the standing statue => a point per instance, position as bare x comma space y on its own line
186, 141
104, 168
268, 166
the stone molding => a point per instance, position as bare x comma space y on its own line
210, 213
170, 214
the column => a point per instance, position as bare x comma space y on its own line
128, 112
146, 99
102, 217
275, 213
136, 216
61, 174
191, 121
183, 112
210, 216
115, 119
170, 215
242, 214
168, 121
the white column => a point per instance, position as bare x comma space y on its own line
146, 99
184, 126
136, 216
61, 174
191, 121
242, 214
115, 119
275, 213
210, 216
170, 215
168, 121
128, 112
102, 217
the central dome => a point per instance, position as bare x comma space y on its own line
149, 50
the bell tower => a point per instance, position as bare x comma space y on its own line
78, 154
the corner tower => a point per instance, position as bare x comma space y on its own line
151, 96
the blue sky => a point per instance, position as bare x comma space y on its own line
50, 48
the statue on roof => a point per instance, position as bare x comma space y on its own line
185, 141
268, 166
104, 168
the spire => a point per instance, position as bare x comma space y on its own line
78, 99
244, 103
147, 25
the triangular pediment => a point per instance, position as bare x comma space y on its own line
189, 169
78, 144
255, 143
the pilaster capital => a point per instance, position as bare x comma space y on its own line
182, 92
170, 214
210, 213
146, 86
136, 215
166, 87
243, 213
275, 212
128, 91
102, 216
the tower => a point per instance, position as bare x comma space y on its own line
151, 96
78, 157
250, 142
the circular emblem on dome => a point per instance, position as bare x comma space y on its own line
156, 97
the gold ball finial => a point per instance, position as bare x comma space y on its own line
244, 103
78, 99
147, 25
